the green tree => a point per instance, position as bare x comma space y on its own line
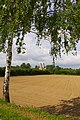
15, 21
50, 68
47, 18
28, 66
23, 65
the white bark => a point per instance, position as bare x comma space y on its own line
7, 71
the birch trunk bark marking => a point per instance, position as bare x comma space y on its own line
7, 71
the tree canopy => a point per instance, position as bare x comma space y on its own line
57, 20
15, 19
24, 65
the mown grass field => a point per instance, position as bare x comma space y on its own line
56, 94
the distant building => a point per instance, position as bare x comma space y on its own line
42, 66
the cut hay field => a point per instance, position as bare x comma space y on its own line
46, 92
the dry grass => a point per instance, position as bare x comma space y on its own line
45, 90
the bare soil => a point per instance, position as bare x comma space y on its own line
54, 93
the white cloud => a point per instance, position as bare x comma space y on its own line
35, 55
72, 61
2, 59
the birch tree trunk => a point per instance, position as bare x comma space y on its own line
6, 96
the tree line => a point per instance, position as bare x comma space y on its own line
26, 69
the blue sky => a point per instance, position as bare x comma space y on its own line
36, 55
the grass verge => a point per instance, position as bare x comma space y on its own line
16, 112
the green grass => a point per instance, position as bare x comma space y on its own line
15, 112
9, 115
9, 112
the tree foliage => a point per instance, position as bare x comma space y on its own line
24, 65
19, 71
15, 19
57, 20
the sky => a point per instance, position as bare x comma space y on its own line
40, 54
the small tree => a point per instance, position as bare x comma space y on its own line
23, 65
28, 66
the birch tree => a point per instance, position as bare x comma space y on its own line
15, 22
49, 19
